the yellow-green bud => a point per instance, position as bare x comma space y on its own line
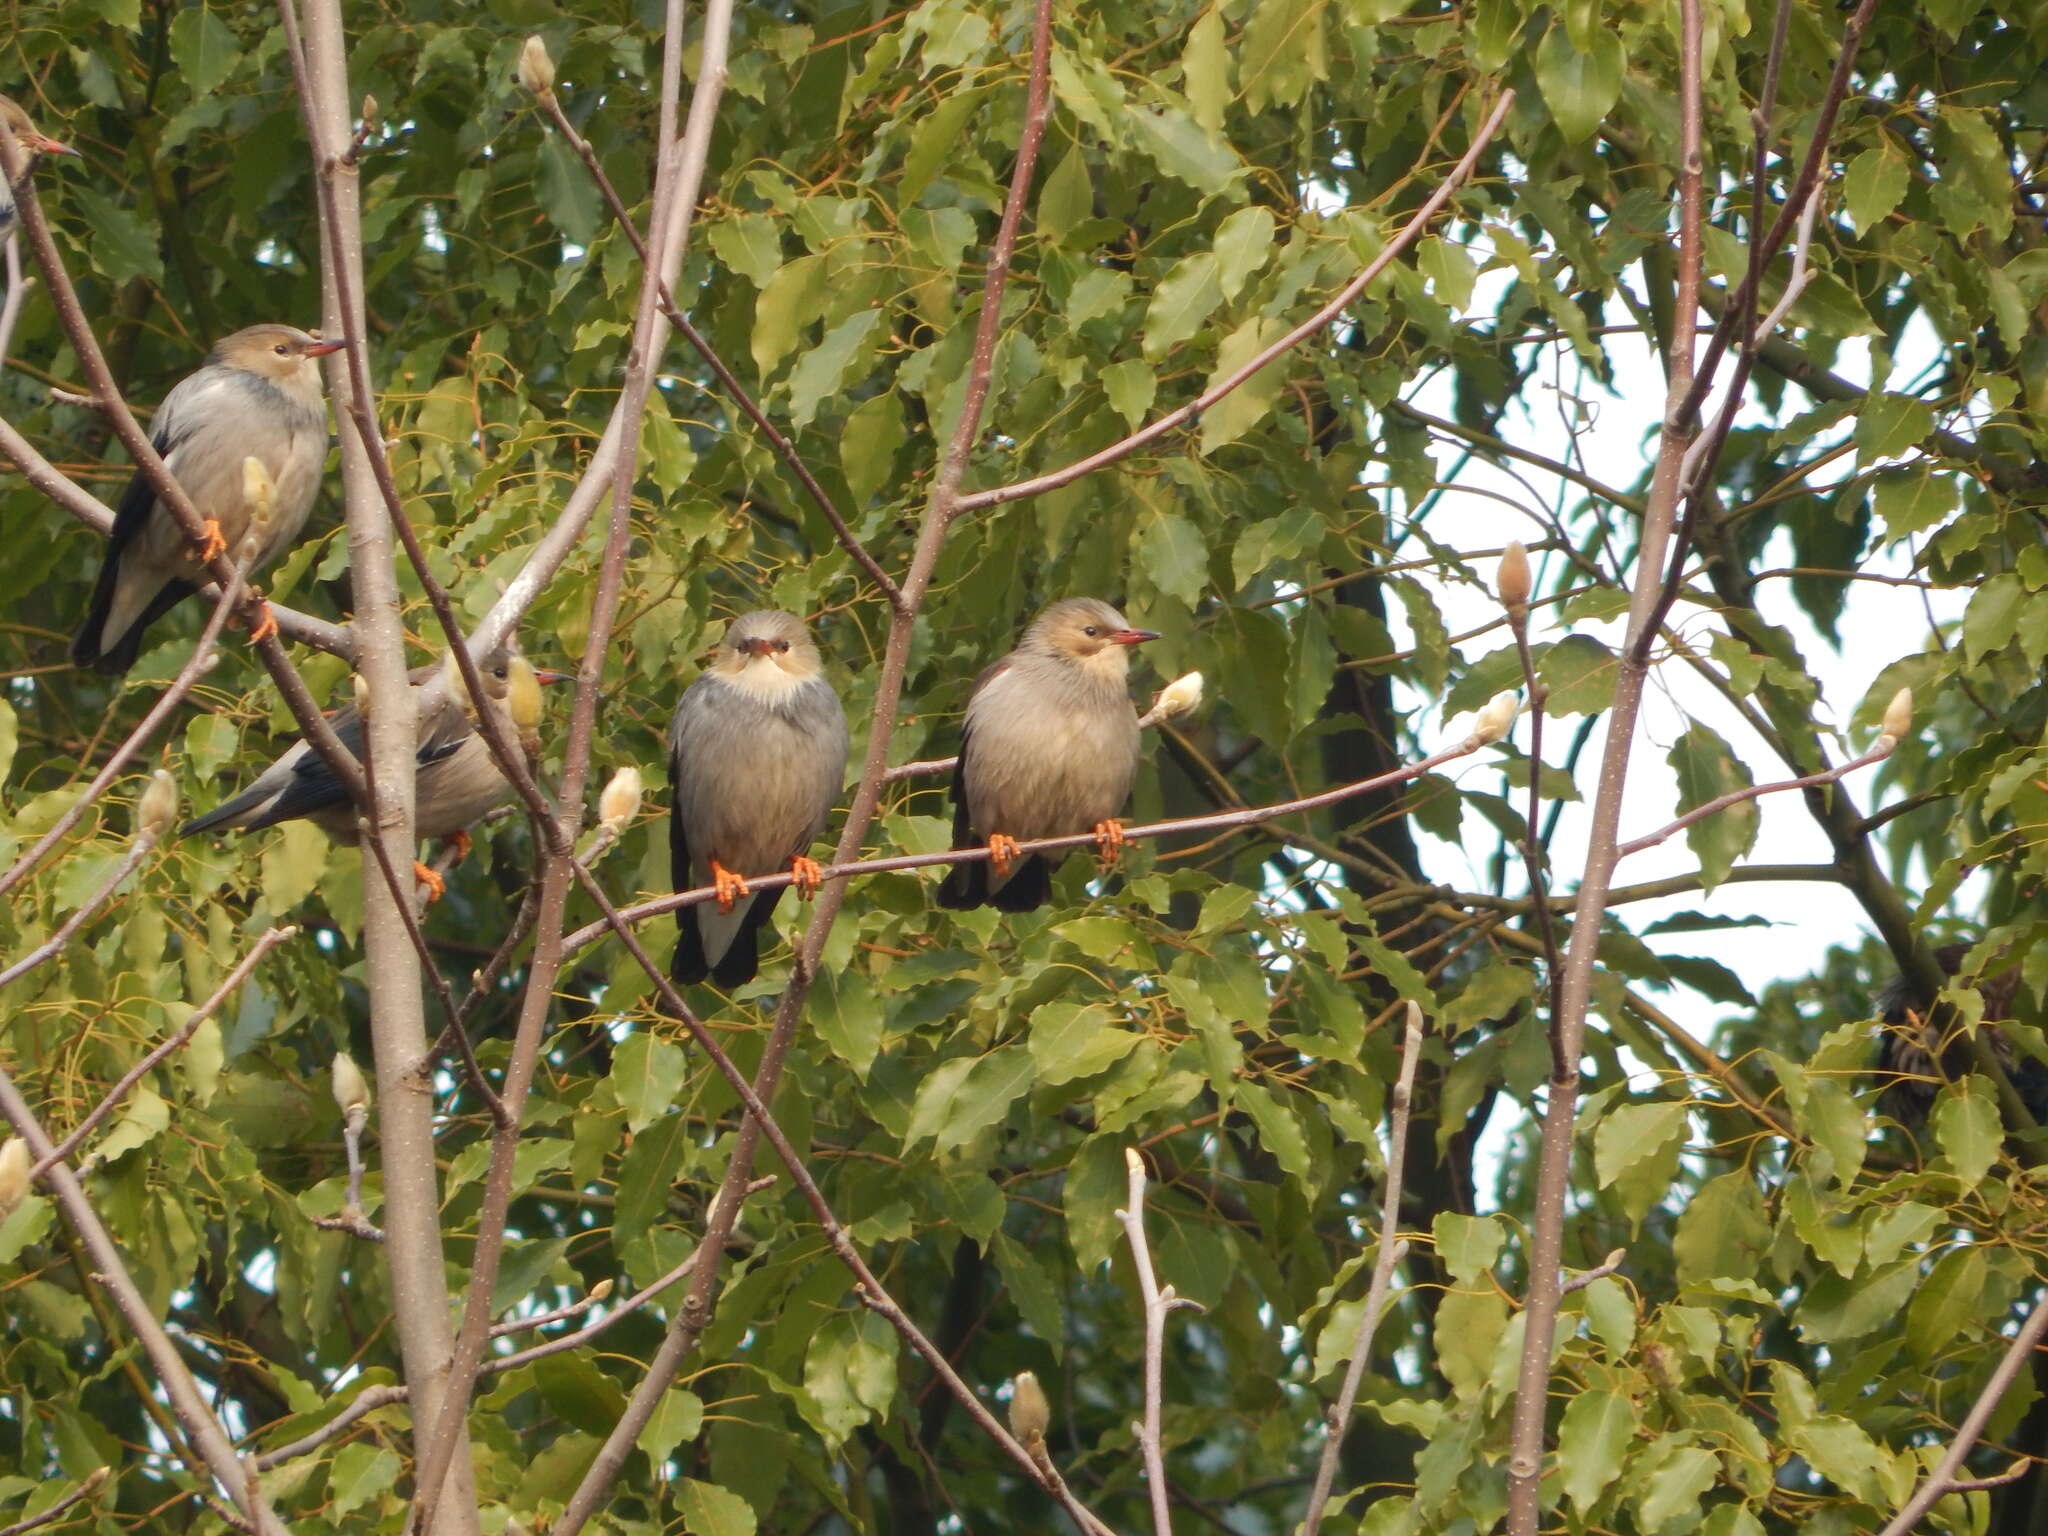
536, 69
1030, 1413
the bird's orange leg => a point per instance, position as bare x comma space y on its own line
215, 543
1110, 841
460, 842
729, 886
1002, 853
436, 886
806, 875
265, 625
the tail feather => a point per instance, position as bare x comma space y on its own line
968, 886
114, 654
965, 886
724, 946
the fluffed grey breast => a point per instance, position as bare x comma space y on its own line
1049, 747
258, 396
757, 756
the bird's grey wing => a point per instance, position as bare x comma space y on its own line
963, 819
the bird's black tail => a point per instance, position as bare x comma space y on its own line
1029, 887
741, 961
116, 658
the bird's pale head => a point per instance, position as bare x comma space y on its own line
767, 649
32, 143
1086, 632
282, 354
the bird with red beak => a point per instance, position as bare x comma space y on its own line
757, 756
455, 778
258, 397
1049, 748
31, 146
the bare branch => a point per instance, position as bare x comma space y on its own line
1157, 1303
1154, 430
97, 1478
1385, 1257
1877, 754
1943, 1480
139, 848
17, 294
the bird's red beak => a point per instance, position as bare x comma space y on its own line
52, 147
322, 348
543, 676
757, 647
1132, 636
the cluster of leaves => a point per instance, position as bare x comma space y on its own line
1809, 1299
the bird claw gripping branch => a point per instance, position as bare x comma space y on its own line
1002, 852
806, 875
1110, 841
728, 887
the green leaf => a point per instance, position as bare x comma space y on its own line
1467, 1245
1949, 1300
1706, 769
848, 1017
1184, 299
1580, 87
204, 49
824, 369
10, 738
1280, 1133
646, 1075
1095, 1187
1578, 673
1243, 243
1205, 70
360, 1472
1181, 148
1873, 185
1594, 1435
677, 1417
122, 246
1910, 501
1131, 386
1633, 1134
1175, 557
565, 191
966, 1096
1966, 1126
789, 301
1070, 1040
1252, 401
1469, 1325
1673, 1491
709, 1510
1889, 424
873, 435
1282, 52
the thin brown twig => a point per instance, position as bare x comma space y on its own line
784, 448
1942, 1480
1152, 431
94, 1481
1877, 754
139, 847
1157, 1301
1385, 1257
267, 941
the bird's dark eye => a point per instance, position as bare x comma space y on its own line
782, 645
282, 350
1091, 631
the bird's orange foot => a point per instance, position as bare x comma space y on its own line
1110, 841
214, 543
459, 841
728, 886
1002, 853
436, 886
806, 875
265, 625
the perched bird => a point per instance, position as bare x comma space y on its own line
756, 756
1914, 1057
455, 780
32, 144
1049, 747
258, 396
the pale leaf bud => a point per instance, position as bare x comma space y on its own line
537, 70
1494, 720
361, 687
1030, 1413
14, 1166
372, 115
1898, 718
95, 1479
1182, 696
159, 803
351, 1092
602, 1289
620, 802
1511, 578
